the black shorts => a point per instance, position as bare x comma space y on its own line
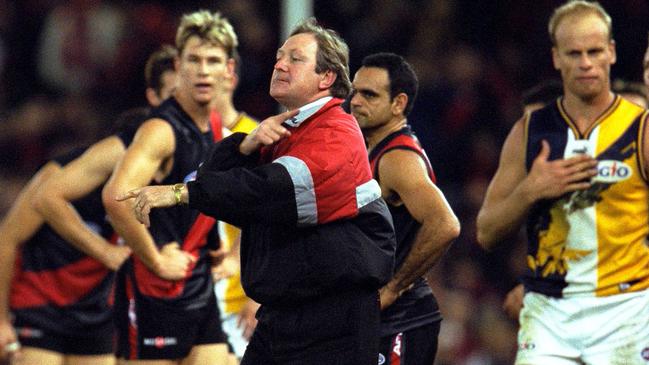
97, 341
417, 346
341, 328
148, 329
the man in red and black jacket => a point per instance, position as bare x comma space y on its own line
317, 239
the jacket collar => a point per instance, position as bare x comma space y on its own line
309, 110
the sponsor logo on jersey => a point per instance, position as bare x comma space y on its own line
381, 359
612, 171
159, 341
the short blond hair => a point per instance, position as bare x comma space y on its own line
332, 55
210, 27
578, 7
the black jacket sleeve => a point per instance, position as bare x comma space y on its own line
234, 188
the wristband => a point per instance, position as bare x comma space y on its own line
178, 192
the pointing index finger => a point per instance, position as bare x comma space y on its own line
283, 117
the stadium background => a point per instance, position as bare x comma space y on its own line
473, 58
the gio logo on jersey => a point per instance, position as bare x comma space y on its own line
612, 171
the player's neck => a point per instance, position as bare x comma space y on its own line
586, 112
376, 135
199, 113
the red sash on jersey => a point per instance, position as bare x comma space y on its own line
195, 239
197, 234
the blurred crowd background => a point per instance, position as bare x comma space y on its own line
68, 68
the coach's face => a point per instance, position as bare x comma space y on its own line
295, 82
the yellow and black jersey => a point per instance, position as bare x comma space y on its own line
230, 293
591, 242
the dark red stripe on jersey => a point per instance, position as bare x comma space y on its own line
216, 125
152, 285
60, 287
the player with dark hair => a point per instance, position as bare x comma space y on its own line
385, 88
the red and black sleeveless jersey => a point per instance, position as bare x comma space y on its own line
56, 287
417, 306
174, 224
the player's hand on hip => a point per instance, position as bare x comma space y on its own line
551, 179
147, 198
269, 131
173, 263
388, 295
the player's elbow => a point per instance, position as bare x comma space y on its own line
449, 230
483, 239
42, 202
453, 228
484, 235
112, 206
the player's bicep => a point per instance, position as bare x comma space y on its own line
22, 220
405, 174
153, 143
88, 172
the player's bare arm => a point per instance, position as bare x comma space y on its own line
76, 180
403, 174
154, 143
20, 223
513, 191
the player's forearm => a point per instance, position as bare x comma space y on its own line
7, 258
65, 220
498, 220
432, 241
134, 234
